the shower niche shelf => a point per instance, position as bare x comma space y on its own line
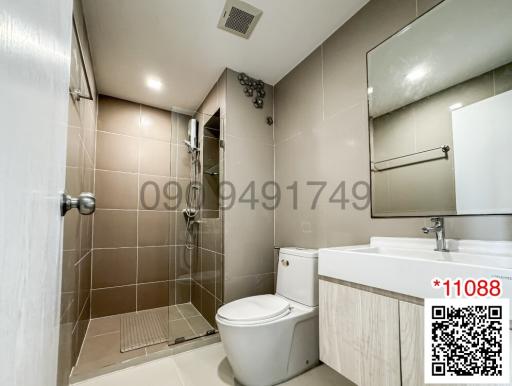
211, 166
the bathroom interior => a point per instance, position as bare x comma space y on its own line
220, 192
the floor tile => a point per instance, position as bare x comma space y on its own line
103, 350
105, 325
179, 329
174, 313
161, 372
322, 375
205, 366
199, 324
202, 366
188, 310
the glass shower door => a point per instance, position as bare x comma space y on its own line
196, 276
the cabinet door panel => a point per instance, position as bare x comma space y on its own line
411, 345
359, 335
381, 351
411, 342
341, 329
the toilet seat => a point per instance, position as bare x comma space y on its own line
255, 310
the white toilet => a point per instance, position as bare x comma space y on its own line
271, 338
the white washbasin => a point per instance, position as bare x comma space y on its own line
408, 265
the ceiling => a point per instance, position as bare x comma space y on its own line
178, 42
439, 50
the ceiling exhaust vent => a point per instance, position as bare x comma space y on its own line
239, 18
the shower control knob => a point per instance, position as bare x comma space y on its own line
85, 203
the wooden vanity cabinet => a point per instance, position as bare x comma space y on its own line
370, 338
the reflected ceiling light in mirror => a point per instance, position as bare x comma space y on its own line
154, 83
416, 74
370, 90
455, 106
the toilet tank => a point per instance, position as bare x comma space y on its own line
297, 275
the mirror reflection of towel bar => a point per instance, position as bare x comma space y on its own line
405, 160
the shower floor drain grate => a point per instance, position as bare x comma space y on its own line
143, 329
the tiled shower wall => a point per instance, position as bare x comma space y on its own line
77, 239
208, 255
139, 258
321, 134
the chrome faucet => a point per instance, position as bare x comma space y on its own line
438, 228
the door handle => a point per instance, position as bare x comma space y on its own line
85, 203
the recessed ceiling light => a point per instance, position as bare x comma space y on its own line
455, 106
154, 84
416, 74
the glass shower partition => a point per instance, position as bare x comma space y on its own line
197, 272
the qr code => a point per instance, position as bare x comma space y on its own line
467, 341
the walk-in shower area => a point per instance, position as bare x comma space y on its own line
156, 262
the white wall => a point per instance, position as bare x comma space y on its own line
35, 40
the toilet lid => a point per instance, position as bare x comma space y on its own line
255, 308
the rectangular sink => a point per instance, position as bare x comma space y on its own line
408, 265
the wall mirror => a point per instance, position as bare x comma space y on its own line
440, 113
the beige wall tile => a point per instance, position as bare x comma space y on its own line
195, 294
155, 157
298, 99
179, 128
195, 265
74, 147
208, 306
114, 267
211, 234
182, 161
115, 228
182, 291
154, 264
111, 301
244, 286
156, 228
116, 152
152, 295
155, 192
219, 276
183, 262
85, 234
71, 238
208, 270
118, 116
84, 283
115, 190
156, 123
344, 53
